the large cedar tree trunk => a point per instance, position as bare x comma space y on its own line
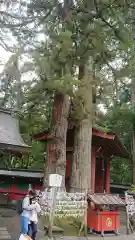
62, 103
133, 138
81, 165
133, 91
60, 132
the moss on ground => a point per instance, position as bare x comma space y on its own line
70, 225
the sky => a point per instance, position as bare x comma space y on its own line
4, 56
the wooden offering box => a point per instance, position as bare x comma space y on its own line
103, 215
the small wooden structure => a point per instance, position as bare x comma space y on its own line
15, 183
11, 141
11, 144
104, 216
104, 147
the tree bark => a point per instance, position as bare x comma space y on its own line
81, 165
60, 133
133, 92
133, 137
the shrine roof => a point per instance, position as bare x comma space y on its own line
10, 137
21, 173
109, 142
106, 199
102, 140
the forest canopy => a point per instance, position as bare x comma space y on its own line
81, 50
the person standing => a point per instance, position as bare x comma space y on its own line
26, 211
32, 228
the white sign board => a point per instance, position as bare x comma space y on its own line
130, 204
55, 180
67, 204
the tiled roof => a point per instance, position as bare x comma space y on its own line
25, 173
10, 137
106, 199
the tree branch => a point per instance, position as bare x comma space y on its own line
100, 15
24, 21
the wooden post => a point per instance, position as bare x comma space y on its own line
85, 214
127, 216
107, 184
52, 212
93, 165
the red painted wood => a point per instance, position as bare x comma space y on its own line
99, 220
13, 196
6, 190
47, 134
68, 168
93, 162
102, 134
36, 187
16, 194
107, 176
98, 176
13, 187
69, 157
15, 191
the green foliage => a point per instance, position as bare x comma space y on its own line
35, 160
38, 156
125, 96
132, 189
121, 171
120, 121
75, 31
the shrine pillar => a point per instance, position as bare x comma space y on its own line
93, 162
107, 187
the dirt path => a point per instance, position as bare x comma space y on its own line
10, 225
10, 229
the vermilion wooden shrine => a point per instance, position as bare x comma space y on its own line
15, 183
104, 147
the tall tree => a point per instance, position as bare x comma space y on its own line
133, 91
76, 32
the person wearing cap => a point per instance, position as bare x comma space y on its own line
26, 211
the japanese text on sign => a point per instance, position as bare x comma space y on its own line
130, 204
67, 204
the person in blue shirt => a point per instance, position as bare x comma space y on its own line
26, 211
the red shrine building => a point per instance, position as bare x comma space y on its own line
104, 147
16, 182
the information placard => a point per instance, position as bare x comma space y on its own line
55, 180
130, 204
67, 204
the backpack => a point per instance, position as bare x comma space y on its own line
19, 207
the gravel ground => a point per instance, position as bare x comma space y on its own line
10, 229
10, 225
